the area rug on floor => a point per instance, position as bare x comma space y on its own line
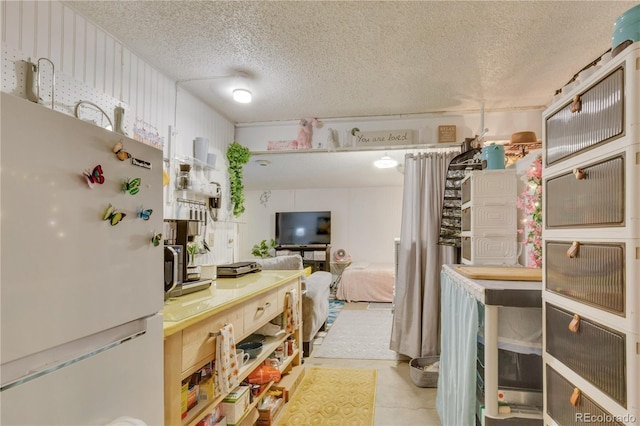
335, 306
380, 305
359, 334
332, 396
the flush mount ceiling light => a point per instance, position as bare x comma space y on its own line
385, 162
242, 96
240, 92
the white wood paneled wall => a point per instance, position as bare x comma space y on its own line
82, 50
91, 64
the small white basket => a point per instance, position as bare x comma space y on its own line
421, 378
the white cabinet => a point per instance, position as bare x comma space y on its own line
489, 218
591, 254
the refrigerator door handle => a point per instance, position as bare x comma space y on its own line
25, 369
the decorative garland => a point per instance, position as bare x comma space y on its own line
238, 156
531, 204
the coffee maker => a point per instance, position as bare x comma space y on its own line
181, 232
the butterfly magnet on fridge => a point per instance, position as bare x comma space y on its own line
112, 215
120, 152
132, 186
155, 239
94, 176
144, 213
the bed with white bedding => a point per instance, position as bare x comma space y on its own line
367, 282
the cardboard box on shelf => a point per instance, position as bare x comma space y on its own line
214, 418
270, 411
206, 391
319, 255
184, 396
251, 418
210, 420
235, 404
290, 382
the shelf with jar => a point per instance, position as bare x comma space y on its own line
195, 181
196, 163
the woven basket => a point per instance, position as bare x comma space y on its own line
421, 378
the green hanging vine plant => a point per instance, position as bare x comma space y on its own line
237, 155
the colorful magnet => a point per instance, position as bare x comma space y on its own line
112, 215
132, 186
145, 213
120, 152
155, 239
94, 176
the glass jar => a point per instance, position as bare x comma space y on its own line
184, 181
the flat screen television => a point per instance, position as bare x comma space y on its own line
303, 228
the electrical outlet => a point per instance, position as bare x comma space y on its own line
212, 239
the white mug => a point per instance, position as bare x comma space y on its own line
242, 357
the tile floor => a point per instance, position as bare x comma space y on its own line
398, 401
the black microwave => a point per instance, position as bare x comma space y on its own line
173, 267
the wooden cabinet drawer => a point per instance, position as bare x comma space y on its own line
198, 346
282, 293
260, 310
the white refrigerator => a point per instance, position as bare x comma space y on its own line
81, 283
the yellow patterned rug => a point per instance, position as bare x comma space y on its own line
332, 396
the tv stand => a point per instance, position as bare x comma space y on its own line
317, 256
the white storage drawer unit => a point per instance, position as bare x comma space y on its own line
591, 255
490, 250
484, 220
490, 187
489, 219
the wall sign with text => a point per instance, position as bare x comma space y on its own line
446, 134
383, 138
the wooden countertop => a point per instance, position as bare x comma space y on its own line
499, 292
181, 312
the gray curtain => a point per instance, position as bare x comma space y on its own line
416, 320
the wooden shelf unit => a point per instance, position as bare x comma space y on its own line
247, 303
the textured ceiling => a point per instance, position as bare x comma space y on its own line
351, 59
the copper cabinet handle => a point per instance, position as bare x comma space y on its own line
579, 173
574, 325
265, 307
573, 250
576, 104
575, 397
